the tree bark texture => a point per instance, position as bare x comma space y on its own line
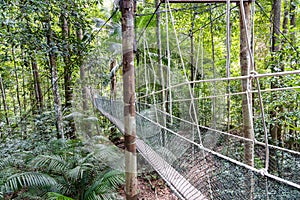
285, 17
113, 82
37, 85
54, 82
3, 94
246, 85
127, 8
276, 129
70, 132
247, 97
17, 79
84, 91
293, 19
161, 71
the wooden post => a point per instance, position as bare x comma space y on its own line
127, 9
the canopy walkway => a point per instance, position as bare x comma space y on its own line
213, 170
204, 131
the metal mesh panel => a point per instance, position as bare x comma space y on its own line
208, 168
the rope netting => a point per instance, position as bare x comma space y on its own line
189, 115
215, 169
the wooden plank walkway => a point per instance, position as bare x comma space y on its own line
176, 181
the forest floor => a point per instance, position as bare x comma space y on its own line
155, 189
150, 185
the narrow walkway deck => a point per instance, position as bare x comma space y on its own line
172, 177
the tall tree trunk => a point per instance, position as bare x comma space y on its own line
214, 112
54, 82
70, 132
275, 129
293, 19
246, 85
285, 17
245, 64
127, 9
113, 82
17, 78
37, 84
3, 94
24, 67
161, 71
84, 91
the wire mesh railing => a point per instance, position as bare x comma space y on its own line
209, 161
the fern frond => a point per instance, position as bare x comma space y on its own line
83, 160
113, 178
104, 187
57, 196
53, 162
28, 179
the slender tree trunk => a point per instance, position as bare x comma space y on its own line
246, 85
192, 69
245, 64
24, 67
293, 19
3, 94
276, 128
127, 8
67, 72
17, 79
54, 81
285, 17
84, 91
214, 113
66, 57
113, 82
161, 71
37, 84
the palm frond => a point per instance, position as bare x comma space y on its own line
53, 162
110, 155
104, 187
9, 162
28, 179
83, 160
113, 178
57, 196
76, 173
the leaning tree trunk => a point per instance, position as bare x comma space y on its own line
54, 82
127, 8
245, 64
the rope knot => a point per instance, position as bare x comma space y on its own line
253, 74
263, 171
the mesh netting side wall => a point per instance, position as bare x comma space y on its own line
213, 176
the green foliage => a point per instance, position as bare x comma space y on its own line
28, 179
71, 173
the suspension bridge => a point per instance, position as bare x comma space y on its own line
196, 152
